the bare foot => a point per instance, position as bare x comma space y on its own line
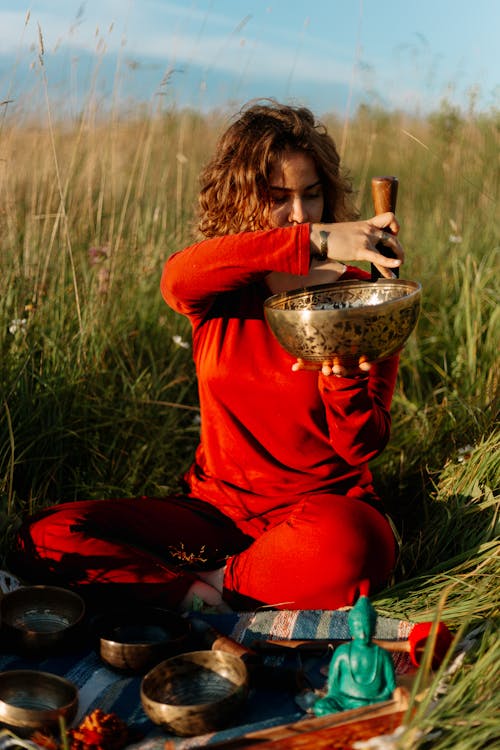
208, 595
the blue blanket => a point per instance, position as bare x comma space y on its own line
101, 687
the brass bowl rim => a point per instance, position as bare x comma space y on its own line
107, 622
273, 302
20, 592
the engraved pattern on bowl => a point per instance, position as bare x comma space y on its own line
345, 320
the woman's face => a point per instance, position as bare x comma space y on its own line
296, 191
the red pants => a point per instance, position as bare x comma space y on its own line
327, 551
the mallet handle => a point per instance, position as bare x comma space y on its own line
322, 644
384, 196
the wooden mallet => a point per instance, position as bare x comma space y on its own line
384, 195
414, 646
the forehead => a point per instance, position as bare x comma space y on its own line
294, 169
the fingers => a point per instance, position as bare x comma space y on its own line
386, 273
383, 229
333, 367
364, 365
385, 221
389, 240
300, 364
385, 237
328, 367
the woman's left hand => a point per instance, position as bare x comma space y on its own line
333, 367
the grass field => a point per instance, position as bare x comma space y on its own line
97, 388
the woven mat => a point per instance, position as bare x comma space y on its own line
100, 687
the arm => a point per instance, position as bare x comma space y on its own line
339, 659
389, 675
193, 277
357, 411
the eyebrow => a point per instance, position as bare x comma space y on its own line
291, 190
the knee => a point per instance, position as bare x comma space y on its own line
348, 535
49, 532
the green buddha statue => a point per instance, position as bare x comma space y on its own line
360, 672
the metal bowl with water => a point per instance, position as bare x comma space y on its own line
31, 700
39, 618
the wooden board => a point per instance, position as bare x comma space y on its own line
333, 731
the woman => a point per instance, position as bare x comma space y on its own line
279, 507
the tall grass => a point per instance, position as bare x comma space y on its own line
97, 389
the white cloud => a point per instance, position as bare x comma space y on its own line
175, 36
272, 44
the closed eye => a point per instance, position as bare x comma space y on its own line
283, 197
279, 200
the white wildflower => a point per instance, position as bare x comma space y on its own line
179, 341
18, 325
464, 453
455, 236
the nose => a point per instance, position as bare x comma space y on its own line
298, 212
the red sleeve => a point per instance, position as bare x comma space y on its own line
357, 411
194, 276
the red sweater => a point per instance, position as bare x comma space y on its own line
269, 435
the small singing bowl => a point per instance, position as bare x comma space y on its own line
39, 618
346, 321
196, 692
136, 641
32, 700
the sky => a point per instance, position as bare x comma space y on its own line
331, 55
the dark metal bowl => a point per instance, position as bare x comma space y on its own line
39, 618
31, 700
195, 693
346, 320
134, 641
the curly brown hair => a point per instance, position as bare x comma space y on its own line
234, 195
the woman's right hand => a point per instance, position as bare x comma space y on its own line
357, 241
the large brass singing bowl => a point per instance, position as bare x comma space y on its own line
196, 692
345, 321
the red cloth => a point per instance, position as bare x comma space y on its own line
280, 485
